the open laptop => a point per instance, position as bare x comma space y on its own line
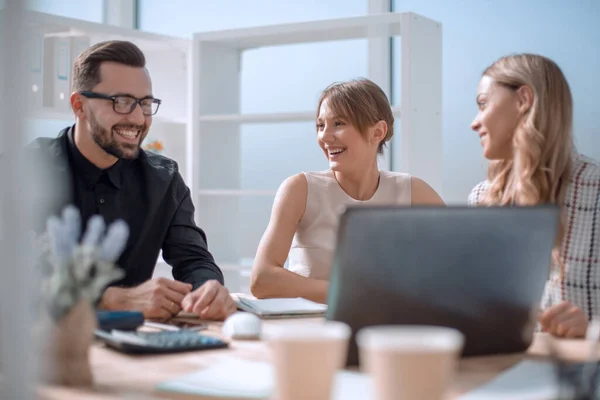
481, 270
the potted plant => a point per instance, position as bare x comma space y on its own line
76, 274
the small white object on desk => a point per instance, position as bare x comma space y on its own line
242, 326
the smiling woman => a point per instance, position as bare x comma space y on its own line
354, 121
524, 121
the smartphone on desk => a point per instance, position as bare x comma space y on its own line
122, 320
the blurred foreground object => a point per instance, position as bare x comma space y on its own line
75, 274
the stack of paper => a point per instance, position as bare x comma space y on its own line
241, 379
284, 307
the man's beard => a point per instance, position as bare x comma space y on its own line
105, 139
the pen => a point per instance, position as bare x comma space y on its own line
163, 327
195, 328
167, 327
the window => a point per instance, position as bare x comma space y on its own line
184, 17
478, 32
92, 11
290, 79
273, 80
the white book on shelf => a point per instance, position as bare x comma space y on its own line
78, 45
57, 72
36, 77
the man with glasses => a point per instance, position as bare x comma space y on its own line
107, 172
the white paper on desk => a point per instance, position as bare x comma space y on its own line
230, 378
526, 380
255, 380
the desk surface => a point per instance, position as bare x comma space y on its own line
123, 376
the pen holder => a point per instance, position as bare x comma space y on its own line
68, 346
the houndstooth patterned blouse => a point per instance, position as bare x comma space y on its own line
581, 245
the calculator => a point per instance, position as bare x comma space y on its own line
141, 342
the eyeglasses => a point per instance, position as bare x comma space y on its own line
125, 104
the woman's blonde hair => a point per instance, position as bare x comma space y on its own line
539, 171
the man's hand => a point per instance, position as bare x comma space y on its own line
157, 298
564, 320
210, 301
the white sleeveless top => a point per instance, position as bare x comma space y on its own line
311, 253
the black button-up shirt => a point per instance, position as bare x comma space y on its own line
151, 196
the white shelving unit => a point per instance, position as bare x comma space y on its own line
267, 118
167, 62
216, 119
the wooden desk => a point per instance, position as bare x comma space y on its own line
121, 376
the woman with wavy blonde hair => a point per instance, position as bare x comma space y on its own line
525, 126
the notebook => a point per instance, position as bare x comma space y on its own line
269, 308
243, 379
279, 308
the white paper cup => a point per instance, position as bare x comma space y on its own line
306, 358
409, 362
